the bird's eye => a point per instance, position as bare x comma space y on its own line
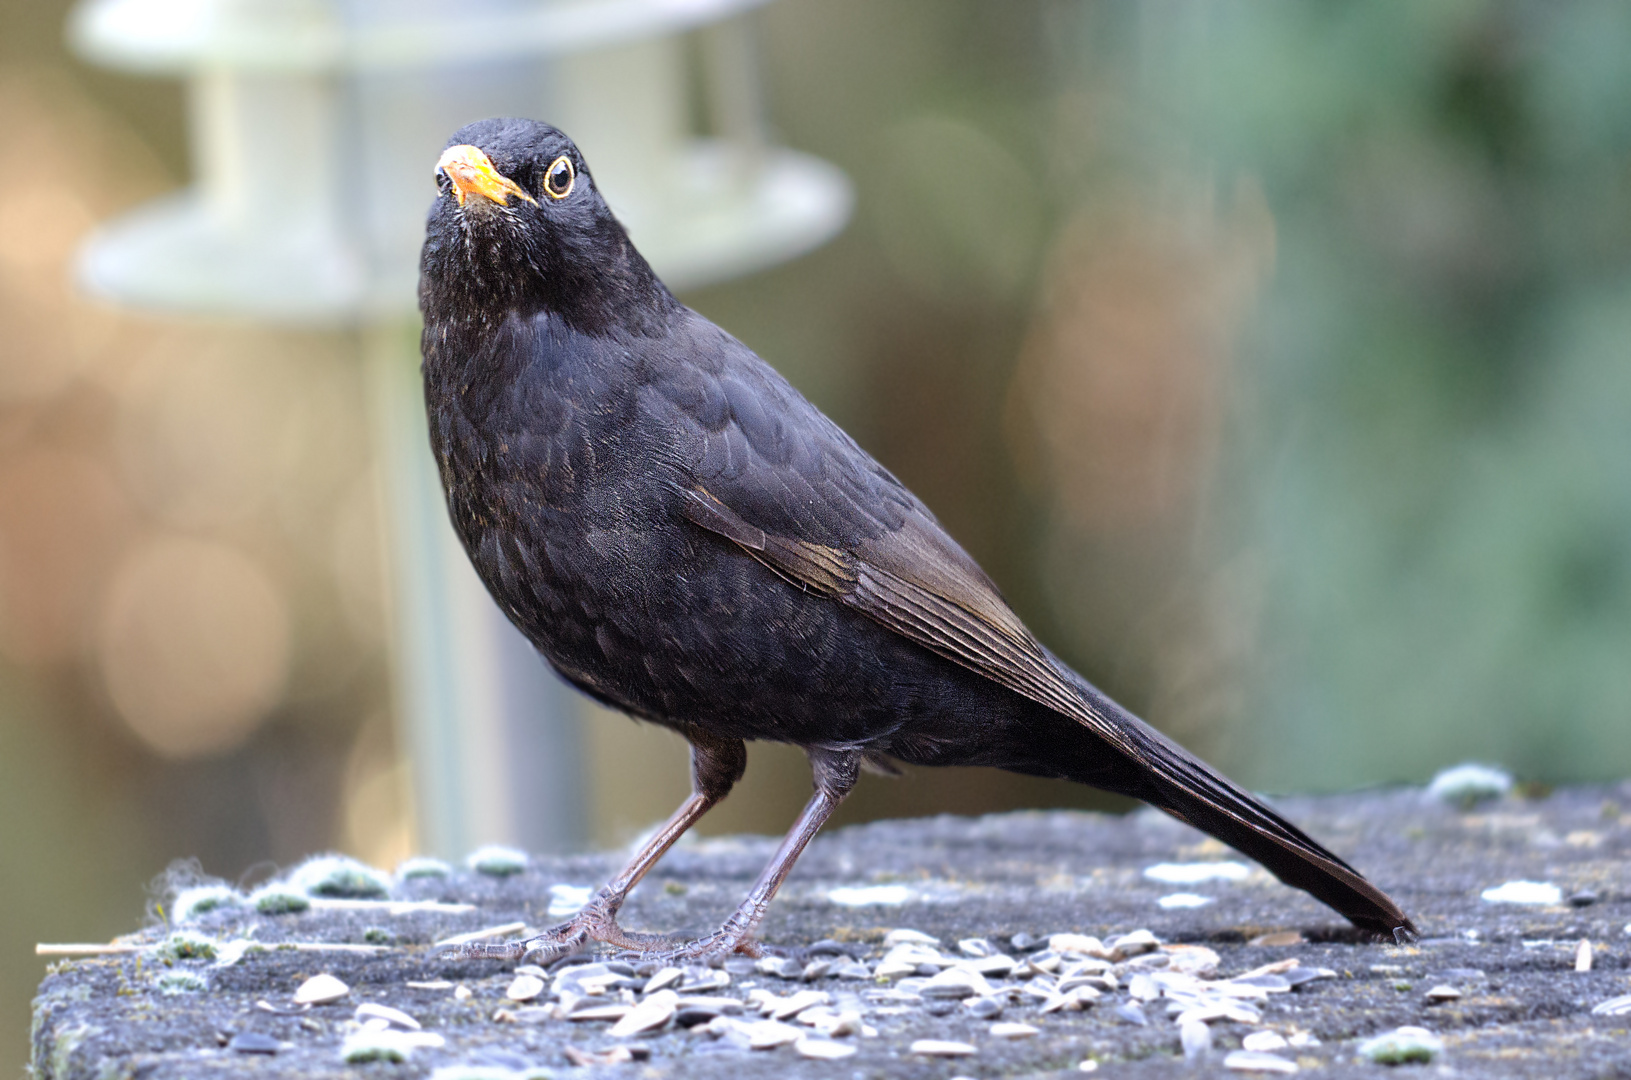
443, 181
558, 181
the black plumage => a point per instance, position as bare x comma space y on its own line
685, 538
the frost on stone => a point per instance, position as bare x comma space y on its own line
1402, 1046
869, 895
1195, 873
189, 904
385, 1044
1523, 892
422, 866
497, 860
172, 983
277, 899
183, 945
339, 876
1470, 784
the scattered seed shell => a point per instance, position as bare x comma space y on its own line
942, 1048
524, 988
769, 1034
794, 1004
1196, 1039
1132, 944
615, 1055
1254, 1061
1077, 943
600, 1012
372, 1010
1617, 1006
320, 990
662, 980
1014, 1031
957, 982
1191, 959
984, 1008
779, 966
822, 1049
651, 1013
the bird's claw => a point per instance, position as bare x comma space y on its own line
541, 949
486, 950
597, 921
720, 943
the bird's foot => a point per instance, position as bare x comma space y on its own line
721, 943
542, 948
597, 921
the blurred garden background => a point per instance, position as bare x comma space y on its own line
1274, 359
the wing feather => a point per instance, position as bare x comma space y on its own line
925, 589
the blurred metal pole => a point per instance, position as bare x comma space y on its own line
494, 735
315, 124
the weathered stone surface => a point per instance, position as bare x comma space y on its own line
1524, 1011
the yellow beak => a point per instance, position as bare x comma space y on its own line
472, 173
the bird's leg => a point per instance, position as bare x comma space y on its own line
716, 766
835, 774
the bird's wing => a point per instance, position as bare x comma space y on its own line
788, 487
916, 581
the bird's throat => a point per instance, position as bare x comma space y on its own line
478, 273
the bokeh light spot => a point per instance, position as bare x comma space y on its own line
193, 645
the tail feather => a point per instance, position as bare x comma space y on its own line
1194, 792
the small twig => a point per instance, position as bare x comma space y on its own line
115, 948
482, 935
109, 949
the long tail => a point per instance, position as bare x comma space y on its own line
1187, 788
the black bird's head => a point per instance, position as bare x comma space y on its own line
518, 226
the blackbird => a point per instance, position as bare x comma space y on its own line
687, 539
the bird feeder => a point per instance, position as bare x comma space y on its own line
314, 125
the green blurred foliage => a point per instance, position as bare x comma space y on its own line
1432, 446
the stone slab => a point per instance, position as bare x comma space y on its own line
1524, 1010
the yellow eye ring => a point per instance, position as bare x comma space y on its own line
554, 186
